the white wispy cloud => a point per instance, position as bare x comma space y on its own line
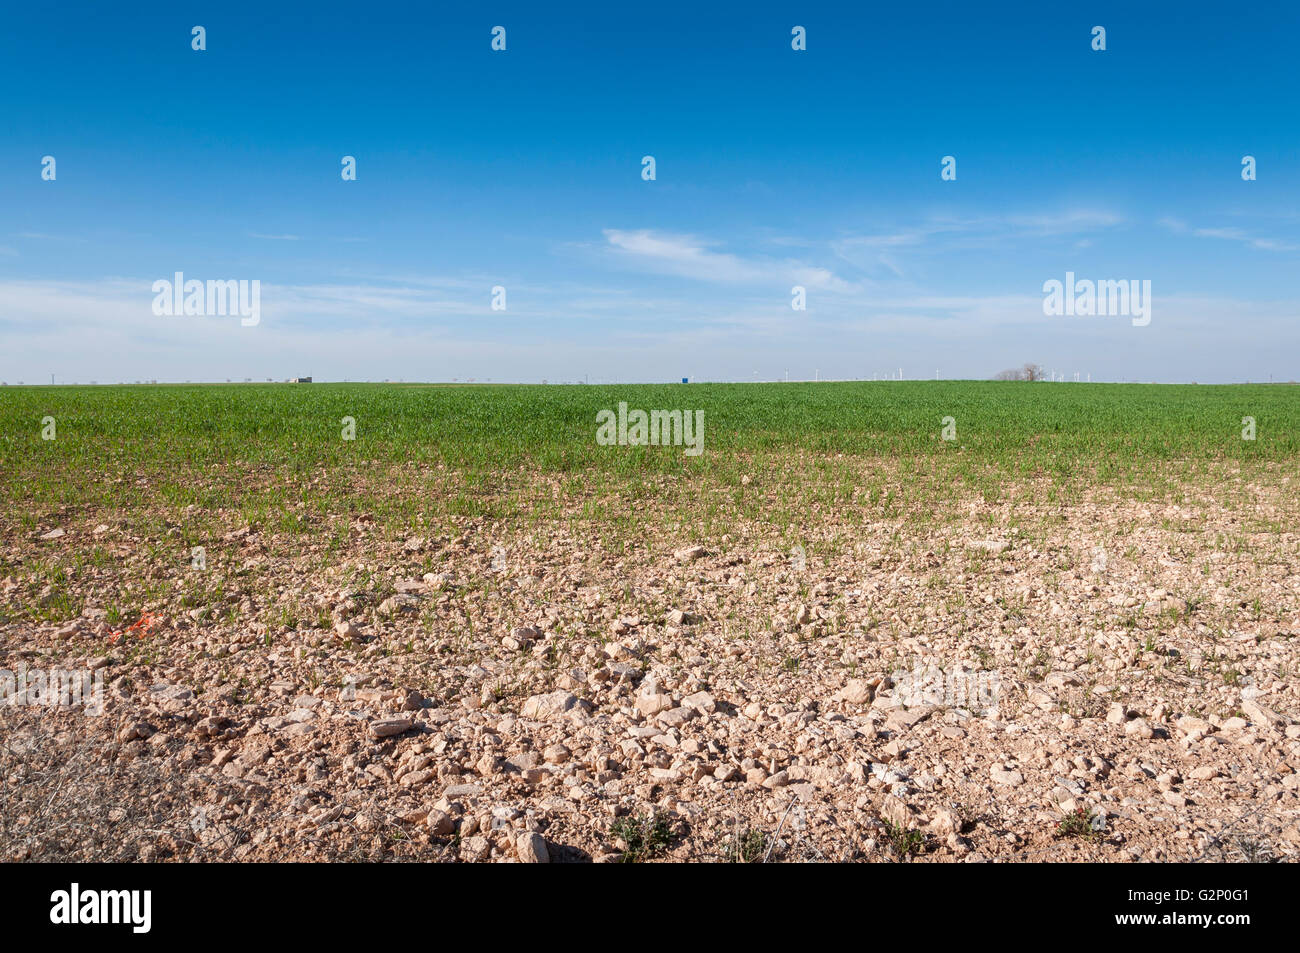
1035, 225
1240, 235
46, 236
1066, 222
1229, 233
105, 330
687, 256
888, 249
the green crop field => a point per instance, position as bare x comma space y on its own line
276, 454
1015, 427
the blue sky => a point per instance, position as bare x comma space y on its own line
522, 169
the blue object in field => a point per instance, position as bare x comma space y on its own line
686, 380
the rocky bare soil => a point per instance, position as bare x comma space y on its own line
1091, 678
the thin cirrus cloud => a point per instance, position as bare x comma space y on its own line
47, 237
687, 256
888, 250
1240, 235
1229, 233
431, 330
988, 227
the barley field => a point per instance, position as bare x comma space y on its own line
375, 620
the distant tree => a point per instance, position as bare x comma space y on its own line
1030, 372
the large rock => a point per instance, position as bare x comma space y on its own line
945, 823
475, 849
389, 727
1259, 715
552, 705
1139, 728
531, 848
1196, 728
900, 719
401, 603
521, 637
857, 691
171, 698
462, 790
1001, 774
702, 702
675, 717
440, 823
652, 704
556, 754
895, 811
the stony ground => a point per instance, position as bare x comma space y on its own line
1038, 676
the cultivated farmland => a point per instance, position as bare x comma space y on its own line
444, 622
